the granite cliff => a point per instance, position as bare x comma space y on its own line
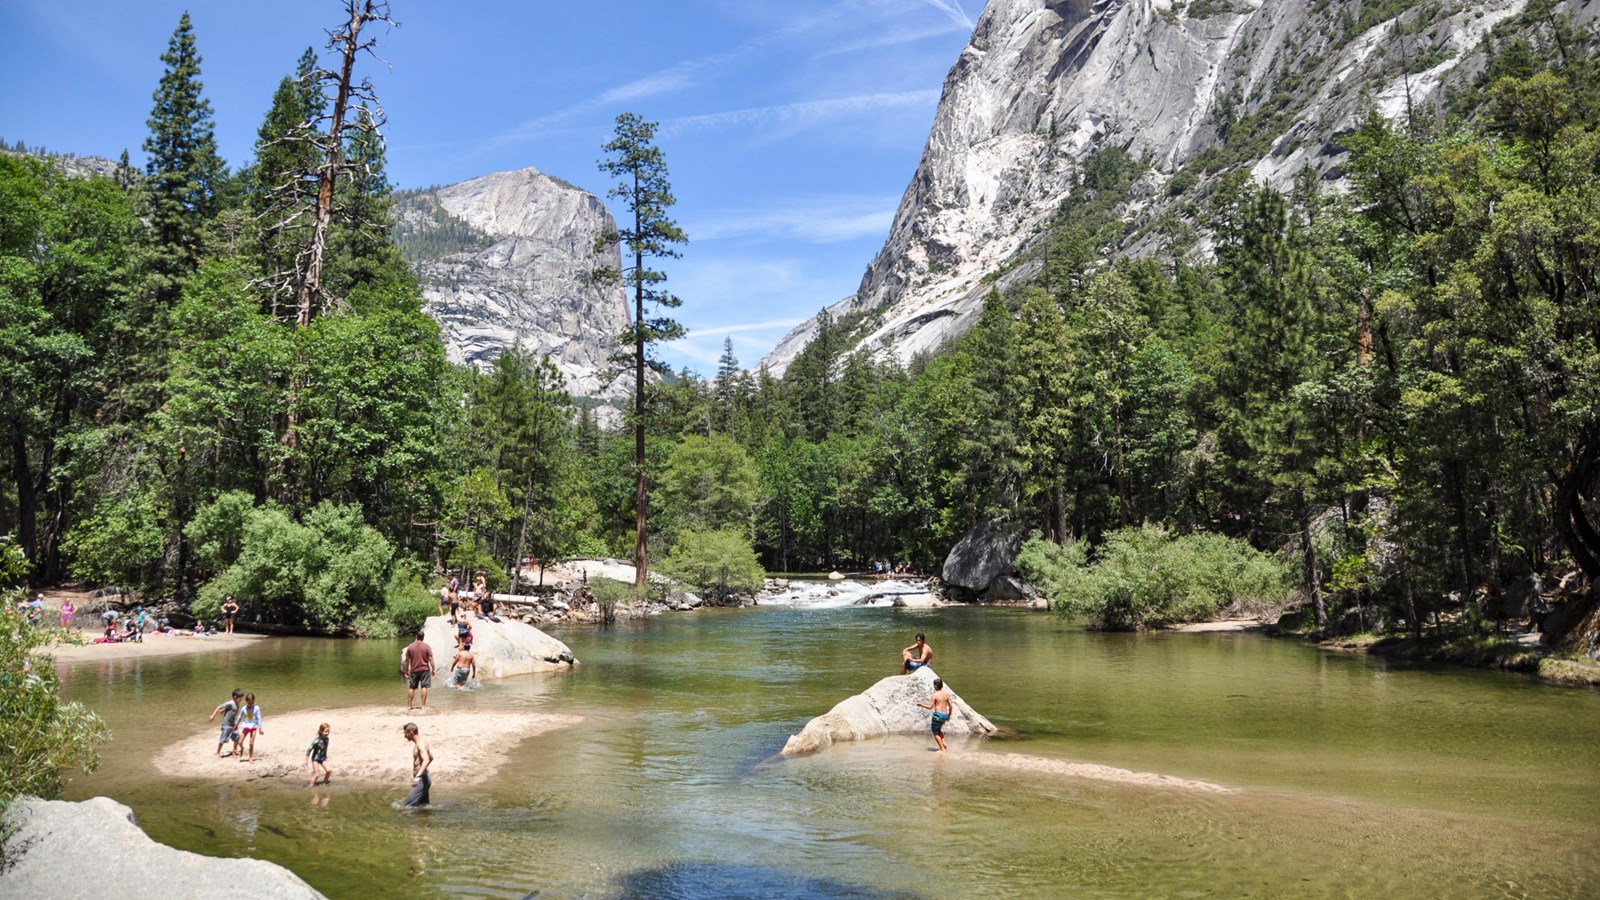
508, 257
1191, 90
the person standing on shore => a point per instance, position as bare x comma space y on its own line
230, 719
421, 758
67, 609
317, 757
419, 670
229, 608
940, 704
250, 724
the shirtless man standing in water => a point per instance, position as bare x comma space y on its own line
421, 758
940, 704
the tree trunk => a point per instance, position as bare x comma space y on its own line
641, 561
27, 498
1309, 560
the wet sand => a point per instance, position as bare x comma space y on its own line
367, 745
1019, 762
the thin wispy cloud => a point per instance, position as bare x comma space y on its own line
771, 324
822, 221
953, 10
806, 111
892, 39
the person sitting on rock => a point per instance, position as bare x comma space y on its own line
916, 656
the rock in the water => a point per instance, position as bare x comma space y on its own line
835, 576
501, 649
923, 600
93, 849
984, 554
888, 707
1007, 588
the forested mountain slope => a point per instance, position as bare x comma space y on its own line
1188, 90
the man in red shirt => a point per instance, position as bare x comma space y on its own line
419, 670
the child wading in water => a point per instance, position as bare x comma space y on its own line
250, 725
317, 757
940, 704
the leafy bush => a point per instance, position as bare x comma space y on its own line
608, 593
719, 563
1145, 577
40, 736
329, 571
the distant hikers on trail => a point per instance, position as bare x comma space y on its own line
916, 656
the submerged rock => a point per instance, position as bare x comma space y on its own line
501, 649
888, 707
95, 849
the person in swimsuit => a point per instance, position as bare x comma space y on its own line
453, 591
250, 725
421, 758
444, 602
67, 609
940, 704
317, 757
230, 718
463, 634
419, 669
482, 597
463, 669
229, 608
916, 656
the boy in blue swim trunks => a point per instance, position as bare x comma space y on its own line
940, 704
915, 656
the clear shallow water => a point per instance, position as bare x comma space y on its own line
1354, 778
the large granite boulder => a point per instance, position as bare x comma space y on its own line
502, 649
94, 849
987, 552
888, 707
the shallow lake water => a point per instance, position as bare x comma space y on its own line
1351, 777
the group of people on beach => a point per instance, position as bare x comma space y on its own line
242, 722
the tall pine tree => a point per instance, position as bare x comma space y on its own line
183, 168
641, 171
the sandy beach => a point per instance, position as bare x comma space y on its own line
153, 645
366, 745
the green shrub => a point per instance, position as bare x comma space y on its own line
720, 564
329, 571
41, 737
1145, 577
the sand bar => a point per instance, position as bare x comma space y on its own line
1019, 762
366, 745
154, 645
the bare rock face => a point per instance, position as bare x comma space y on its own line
1045, 84
983, 556
500, 649
888, 707
93, 849
509, 257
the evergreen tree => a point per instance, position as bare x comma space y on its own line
183, 168
641, 170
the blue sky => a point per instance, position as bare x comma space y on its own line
790, 129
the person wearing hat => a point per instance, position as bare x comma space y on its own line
228, 609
